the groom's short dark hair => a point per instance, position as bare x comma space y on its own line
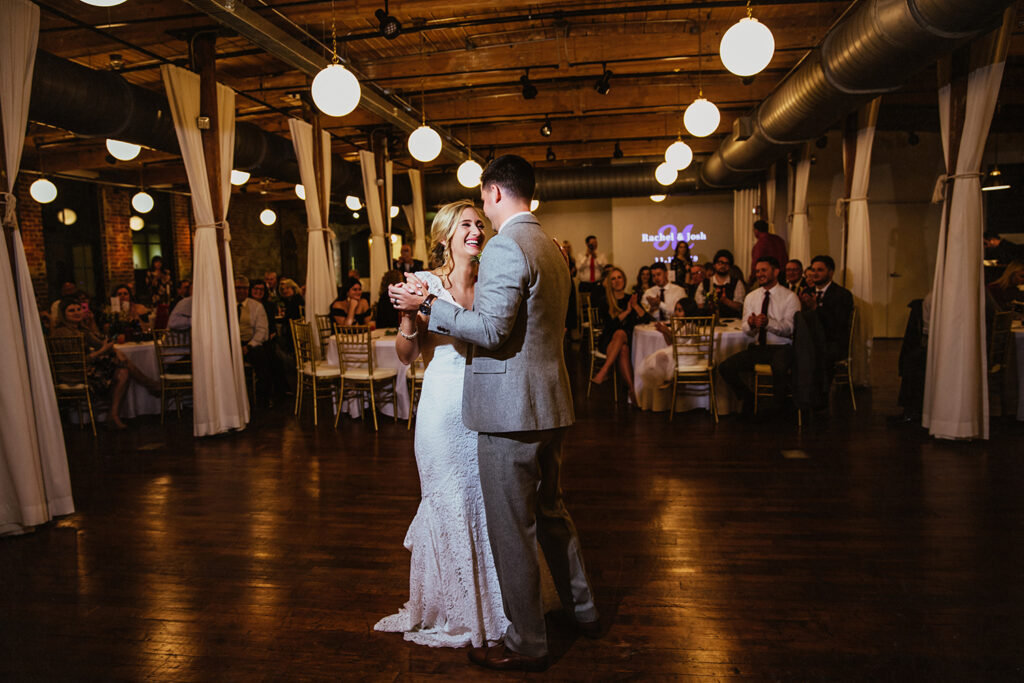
512, 174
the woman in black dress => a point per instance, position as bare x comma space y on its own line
620, 312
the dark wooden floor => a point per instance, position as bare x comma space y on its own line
851, 551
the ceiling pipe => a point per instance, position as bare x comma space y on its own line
93, 103
593, 182
874, 49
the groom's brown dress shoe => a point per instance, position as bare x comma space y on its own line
501, 658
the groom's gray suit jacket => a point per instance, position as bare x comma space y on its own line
515, 373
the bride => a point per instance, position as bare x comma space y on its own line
454, 598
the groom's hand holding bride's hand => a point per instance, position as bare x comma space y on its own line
407, 296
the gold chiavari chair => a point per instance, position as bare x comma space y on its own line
414, 378
843, 368
325, 331
693, 354
70, 371
174, 362
597, 358
359, 374
312, 375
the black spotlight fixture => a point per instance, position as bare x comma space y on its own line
550, 156
617, 153
747, 80
545, 128
389, 27
822, 142
912, 139
529, 89
603, 85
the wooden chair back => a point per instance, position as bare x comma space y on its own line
999, 341
173, 351
325, 330
355, 348
68, 363
693, 342
303, 340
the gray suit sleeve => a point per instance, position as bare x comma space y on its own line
500, 289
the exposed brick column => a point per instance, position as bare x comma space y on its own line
116, 236
181, 228
30, 220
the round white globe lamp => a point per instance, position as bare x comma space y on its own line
300, 191
43, 191
534, 204
335, 90
665, 174
393, 211
103, 3
353, 202
124, 151
268, 217
657, 198
424, 143
678, 155
701, 118
142, 202
239, 177
747, 47
67, 216
469, 173
136, 223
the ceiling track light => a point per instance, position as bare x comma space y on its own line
529, 89
545, 128
617, 152
603, 84
389, 27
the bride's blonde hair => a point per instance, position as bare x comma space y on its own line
441, 232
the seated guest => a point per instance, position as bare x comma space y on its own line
386, 315
181, 315
1002, 292
405, 263
724, 290
293, 304
794, 272
258, 292
661, 297
254, 333
768, 319
350, 308
183, 290
834, 305
129, 317
619, 312
273, 295
109, 371
697, 278
1001, 250
659, 367
66, 290
643, 281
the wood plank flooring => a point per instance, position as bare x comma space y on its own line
869, 553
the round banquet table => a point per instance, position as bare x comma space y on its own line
138, 400
729, 339
385, 356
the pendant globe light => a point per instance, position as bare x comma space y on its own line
142, 201
43, 191
239, 177
353, 202
123, 151
103, 3
335, 89
424, 143
534, 204
469, 171
747, 47
136, 223
665, 174
393, 211
300, 191
702, 117
657, 198
268, 217
679, 155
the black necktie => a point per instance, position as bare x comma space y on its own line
662, 295
762, 334
820, 294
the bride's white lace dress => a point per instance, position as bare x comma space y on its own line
454, 598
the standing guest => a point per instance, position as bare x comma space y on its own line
768, 319
834, 306
159, 283
109, 371
273, 291
643, 281
1002, 292
795, 280
590, 266
1001, 250
661, 297
723, 288
405, 263
350, 308
680, 264
254, 333
386, 315
620, 312
767, 244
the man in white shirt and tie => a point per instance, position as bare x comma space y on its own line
660, 300
768, 319
590, 266
253, 332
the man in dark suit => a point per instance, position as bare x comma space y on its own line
832, 305
406, 263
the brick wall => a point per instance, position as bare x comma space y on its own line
181, 229
30, 221
115, 235
256, 248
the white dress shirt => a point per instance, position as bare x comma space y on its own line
783, 304
253, 328
666, 308
583, 266
181, 315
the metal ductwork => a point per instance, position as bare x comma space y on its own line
594, 182
94, 103
874, 49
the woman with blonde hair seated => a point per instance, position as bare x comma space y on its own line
620, 312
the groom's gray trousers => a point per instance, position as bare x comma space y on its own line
519, 474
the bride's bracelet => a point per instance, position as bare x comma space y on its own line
410, 337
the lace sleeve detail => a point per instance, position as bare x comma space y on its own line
433, 283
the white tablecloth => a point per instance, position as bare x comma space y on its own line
385, 356
138, 400
729, 339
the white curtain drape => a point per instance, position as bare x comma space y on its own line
744, 202
799, 229
956, 380
34, 482
858, 246
380, 250
414, 213
321, 282
219, 398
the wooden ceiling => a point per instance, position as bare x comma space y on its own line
461, 63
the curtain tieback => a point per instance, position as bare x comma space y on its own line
793, 214
939, 193
10, 216
847, 200
217, 225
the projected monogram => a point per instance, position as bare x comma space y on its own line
668, 237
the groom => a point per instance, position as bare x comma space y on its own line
517, 397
